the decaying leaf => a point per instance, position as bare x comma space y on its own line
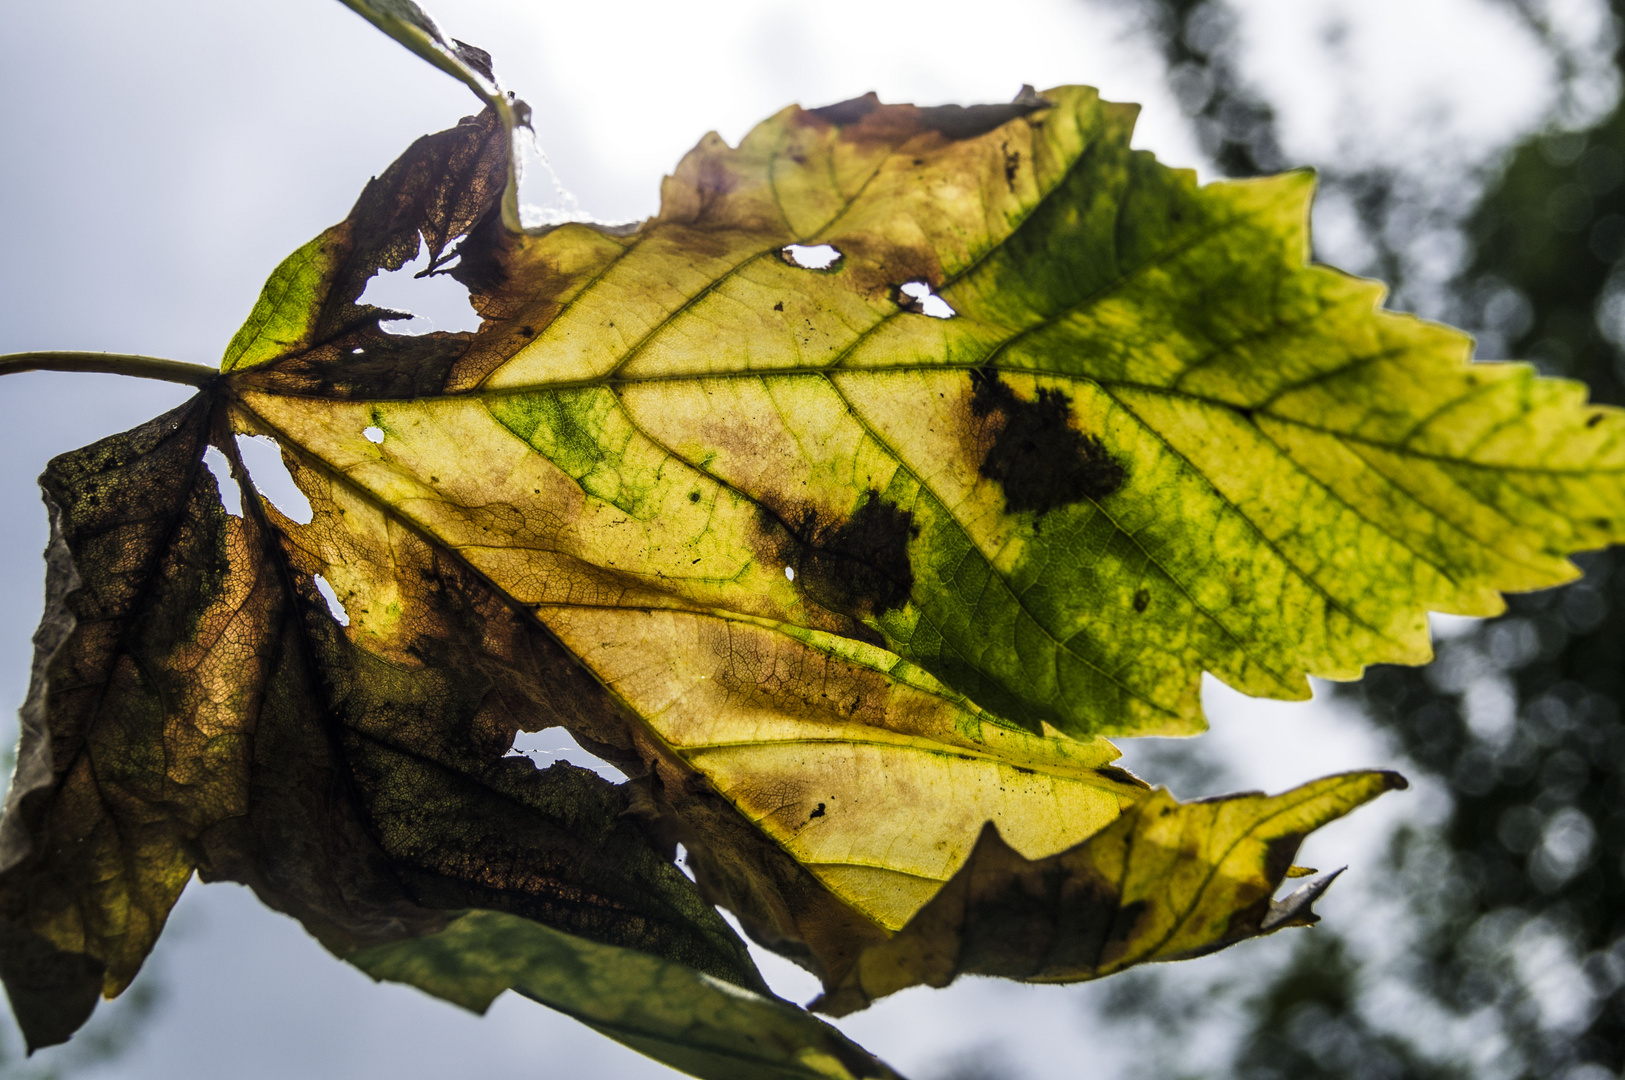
1166, 881
852, 566
195, 707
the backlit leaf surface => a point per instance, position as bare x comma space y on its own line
851, 569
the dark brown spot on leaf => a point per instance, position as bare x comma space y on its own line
819, 812
1596, 418
1038, 458
1142, 599
859, 567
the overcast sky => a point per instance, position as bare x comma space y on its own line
160, 158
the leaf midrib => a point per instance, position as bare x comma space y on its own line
1107, 385
565, 385
918, 744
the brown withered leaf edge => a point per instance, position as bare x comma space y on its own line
194, 706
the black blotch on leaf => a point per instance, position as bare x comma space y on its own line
1036, 456
779, 306
1596, 418
693, 496
817, 813
1142, 599
859, 567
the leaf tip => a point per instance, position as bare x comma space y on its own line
1296, 909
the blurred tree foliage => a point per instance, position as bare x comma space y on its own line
1516, 900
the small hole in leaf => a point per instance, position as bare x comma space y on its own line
682, 862
790, 572
230, 494
263, 459
373, 434
334, 608
357, 351
555, 744
916, 296
815, 257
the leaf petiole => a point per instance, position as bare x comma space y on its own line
141, 367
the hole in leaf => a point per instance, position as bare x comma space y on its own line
787, 978
916, 296
790, 573
373, 434
334, 608
815, 257
555, 744
435, 302
230, 494
682, 863
262, 457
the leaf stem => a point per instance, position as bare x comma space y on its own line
140, 367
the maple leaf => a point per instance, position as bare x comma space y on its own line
851, 565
